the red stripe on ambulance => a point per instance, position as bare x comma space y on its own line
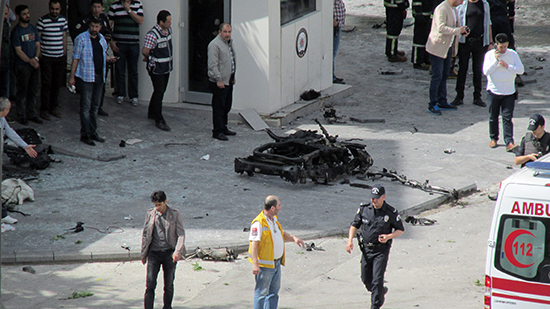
521, 287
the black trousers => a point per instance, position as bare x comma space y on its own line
373, 267
160, 82
222, 100
501, 24
51, 74
422, 25
394, 25
27, 89
477, 50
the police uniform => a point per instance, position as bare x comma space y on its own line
372, 222
530, 144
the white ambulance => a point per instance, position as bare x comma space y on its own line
517, 268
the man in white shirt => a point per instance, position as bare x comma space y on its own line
267, 253
501, 66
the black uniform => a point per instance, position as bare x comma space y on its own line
372, 222
422, 13
394, 23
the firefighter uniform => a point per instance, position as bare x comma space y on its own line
422, 13
395, 14
371, 223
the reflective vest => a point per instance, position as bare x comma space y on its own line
265, 246
160, 57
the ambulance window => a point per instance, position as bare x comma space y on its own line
522, 248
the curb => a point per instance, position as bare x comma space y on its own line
52, 257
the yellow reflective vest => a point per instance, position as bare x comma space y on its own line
265, 246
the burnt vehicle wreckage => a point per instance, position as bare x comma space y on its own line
321, 158
306, 154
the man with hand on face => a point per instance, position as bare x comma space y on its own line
534, 144
379, 223
162, 243
501, 66
267, 253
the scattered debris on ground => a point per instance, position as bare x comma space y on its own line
419, 221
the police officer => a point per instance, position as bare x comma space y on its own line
535, 143
379, 223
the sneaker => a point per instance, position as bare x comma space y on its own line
434, 110
9, 220
493, 144
447, 106
119, 99
511, 147
135, 102
338, 80
7, 227
457, 102
479, 102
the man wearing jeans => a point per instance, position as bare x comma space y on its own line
339, 14
442, 44
125, 16
267, 253
162, 243
88, 73
501, 66
157, 52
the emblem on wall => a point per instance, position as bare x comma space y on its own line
301, 42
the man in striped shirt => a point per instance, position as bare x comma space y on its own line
125, 16
53, 33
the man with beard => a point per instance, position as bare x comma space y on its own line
88, 72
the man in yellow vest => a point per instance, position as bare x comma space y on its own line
267, 253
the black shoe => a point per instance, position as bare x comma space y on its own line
421, 66
338, 80
36, 120
163, 126
96, 138
457, 102
228, 132
101, 112
87, 140
480, 102
446, 106
150, 116
220, 136
23, 121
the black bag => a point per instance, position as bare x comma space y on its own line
21, 158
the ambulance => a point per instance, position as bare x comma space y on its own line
517, 268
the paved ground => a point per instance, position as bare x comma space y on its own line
217, 203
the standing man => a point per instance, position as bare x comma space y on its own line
82, 26
77, 10
396, 11
88, 73
26, 44
422, 13
379, 223
157, 52
53, 33
221, 75
5, 57
339, 14
125, 16
501, 66
534, 144
267, 253
162, 243
442, 44
476, 15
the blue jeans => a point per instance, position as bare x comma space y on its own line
90, 97
268, 283
154, 260
506, 104
438, 84
335, 46
129, 57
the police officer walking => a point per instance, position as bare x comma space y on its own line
379, 223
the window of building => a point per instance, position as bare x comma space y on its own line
294, 9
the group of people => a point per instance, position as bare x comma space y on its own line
375, 224
31, 50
